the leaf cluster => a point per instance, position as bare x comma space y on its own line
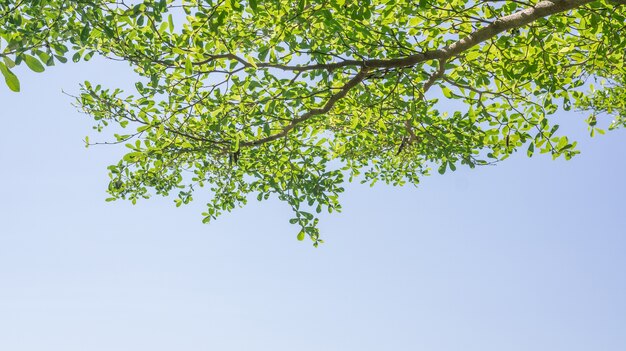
293, 98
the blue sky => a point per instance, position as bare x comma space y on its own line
526, 255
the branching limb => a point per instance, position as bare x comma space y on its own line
515, 20
358, 78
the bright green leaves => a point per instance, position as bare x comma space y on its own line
609, 102
472, 55
40, 33
133, 157
10, 78
235, 5
288, 99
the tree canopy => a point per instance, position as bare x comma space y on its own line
293, 98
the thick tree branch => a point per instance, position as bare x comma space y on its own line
515, 20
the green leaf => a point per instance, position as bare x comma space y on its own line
562, 143
8, 62
170, 21
472, 55
446, 92
188, 66
531, 149
132, 156
33, 63
76, 56
442, 168
84, 34
250, 60
11, 79
301, 235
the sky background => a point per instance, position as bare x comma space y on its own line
526, 255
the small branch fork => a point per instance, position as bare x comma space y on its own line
358, 78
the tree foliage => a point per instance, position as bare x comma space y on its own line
293, 98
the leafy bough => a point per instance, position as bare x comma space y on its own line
293, 98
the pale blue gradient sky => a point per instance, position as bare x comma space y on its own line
527, 255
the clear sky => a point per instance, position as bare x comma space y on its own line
526, 255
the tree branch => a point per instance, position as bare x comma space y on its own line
358, 78
515, 20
